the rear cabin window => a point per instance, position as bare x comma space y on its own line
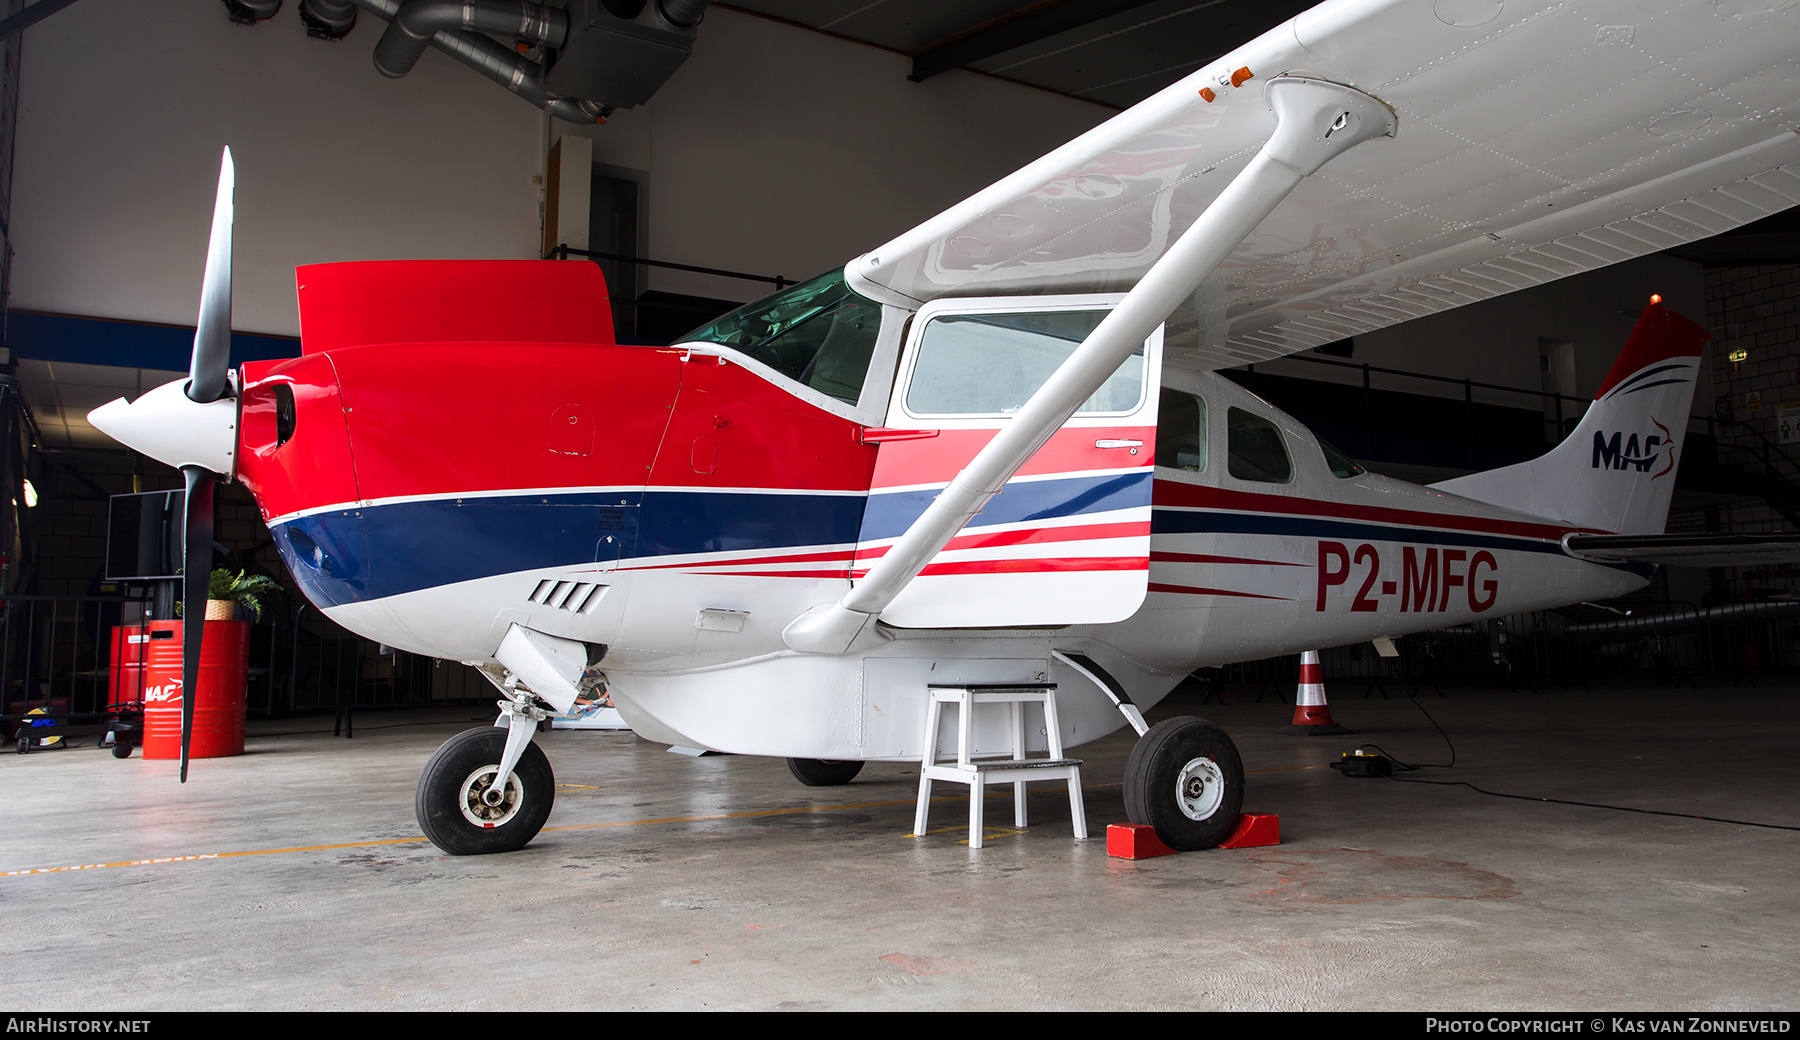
819, 333
991, 364
1256, 449
1181, 431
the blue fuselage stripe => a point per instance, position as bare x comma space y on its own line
1201, 521
354, 555
1021, 501
386, 550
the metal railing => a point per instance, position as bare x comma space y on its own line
1673, 642
563, 252
57, 652
1768, 470
330, 667
658, 316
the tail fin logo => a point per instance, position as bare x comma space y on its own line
1620, 451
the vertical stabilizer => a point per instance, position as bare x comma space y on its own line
1616, 472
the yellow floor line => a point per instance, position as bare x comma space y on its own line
161, 860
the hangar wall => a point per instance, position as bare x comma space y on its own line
773, 149
1497, 340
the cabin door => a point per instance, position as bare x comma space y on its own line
1067, 541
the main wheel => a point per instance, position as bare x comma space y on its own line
819, 772
452, 810
1185, 778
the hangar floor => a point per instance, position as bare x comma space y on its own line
672, 882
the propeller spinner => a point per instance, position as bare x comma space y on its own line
192, 425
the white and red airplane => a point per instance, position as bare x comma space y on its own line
995, 449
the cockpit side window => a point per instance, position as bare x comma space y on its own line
1256, 449
1340, 463
1181, 431
991, 363
819, 333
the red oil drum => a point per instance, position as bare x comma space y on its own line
219, 701
130, 648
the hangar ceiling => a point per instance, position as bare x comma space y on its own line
1111, 52
1114, 52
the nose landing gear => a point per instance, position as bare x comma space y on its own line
461, 808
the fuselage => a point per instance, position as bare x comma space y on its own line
682, 505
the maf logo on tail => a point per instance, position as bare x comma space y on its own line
1618, 451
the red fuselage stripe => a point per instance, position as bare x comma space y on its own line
1174, 557
1191, 496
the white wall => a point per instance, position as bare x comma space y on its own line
773, 150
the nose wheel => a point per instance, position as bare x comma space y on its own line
1185, 778
462, 811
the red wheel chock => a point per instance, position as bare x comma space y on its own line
1139, 840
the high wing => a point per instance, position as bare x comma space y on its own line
1537, 139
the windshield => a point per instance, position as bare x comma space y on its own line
819, 333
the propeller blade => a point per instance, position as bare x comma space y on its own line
207, 372
196, 575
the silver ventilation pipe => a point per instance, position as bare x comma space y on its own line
417, 22
498, 63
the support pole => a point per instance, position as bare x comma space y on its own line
1315, 120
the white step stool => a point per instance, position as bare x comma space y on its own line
1017, 770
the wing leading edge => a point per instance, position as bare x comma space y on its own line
1538, 139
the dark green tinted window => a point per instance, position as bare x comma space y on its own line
1340, 463
819, 333
1256, 449
1181, 431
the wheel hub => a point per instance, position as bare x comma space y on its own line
1200, 788
484, 806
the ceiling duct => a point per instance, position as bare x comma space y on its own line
328, 19
417, 21
249, 12
598, 55
622, 51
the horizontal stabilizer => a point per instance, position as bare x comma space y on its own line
1689, 550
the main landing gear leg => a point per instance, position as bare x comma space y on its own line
485, 791
1184, 776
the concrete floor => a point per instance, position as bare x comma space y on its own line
670, 882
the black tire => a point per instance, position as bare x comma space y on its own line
1177, 770
24, 747
815, 772
121, 749
453, 775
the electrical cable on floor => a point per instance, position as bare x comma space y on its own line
1399, 766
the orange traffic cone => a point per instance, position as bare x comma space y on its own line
1312, 716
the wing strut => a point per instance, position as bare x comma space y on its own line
1315, 120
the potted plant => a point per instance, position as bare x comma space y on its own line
230, 596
